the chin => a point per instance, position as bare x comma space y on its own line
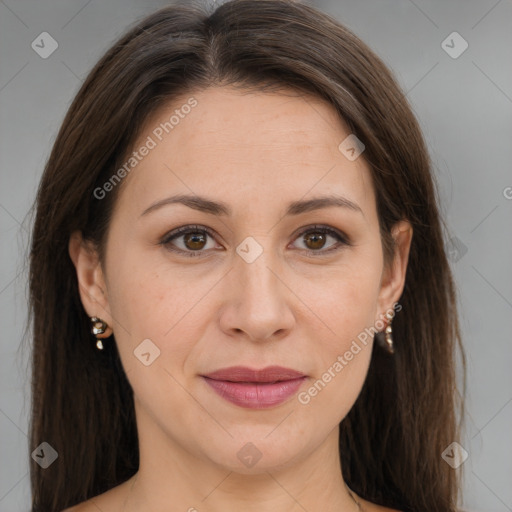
258, 451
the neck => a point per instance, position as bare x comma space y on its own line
178, 480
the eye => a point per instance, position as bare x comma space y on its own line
315, 239
193, 240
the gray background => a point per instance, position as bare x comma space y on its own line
464, 106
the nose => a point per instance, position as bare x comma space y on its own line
259, 304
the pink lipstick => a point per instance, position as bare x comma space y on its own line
255, 389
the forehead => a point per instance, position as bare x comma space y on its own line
239, 145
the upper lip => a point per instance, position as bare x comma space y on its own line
245, 374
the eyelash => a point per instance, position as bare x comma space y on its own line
340, 237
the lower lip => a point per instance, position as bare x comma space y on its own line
253, 395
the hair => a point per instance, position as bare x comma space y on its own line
391, 441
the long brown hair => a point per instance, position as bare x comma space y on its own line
82, 403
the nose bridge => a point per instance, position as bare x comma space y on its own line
259, 304
253, 268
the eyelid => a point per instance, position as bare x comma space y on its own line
189, 228
186, 229
341, 237
325, 229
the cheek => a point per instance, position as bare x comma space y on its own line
136, 294
147, 303
346, 303
345, 299
344, 351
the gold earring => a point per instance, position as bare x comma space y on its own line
389, 338
100, 329
385, 338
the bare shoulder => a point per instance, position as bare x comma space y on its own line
373, 507
92, 506
379, 508
76, 508
86, 506
109, 501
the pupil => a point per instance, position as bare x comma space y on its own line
192, 239
317, 239
197, 240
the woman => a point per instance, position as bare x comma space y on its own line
239, 288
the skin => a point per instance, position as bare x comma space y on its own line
257, 152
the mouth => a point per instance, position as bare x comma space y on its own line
255, 389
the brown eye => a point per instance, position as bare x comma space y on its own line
194, 241
315, 240
189, 241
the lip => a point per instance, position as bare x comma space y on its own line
253, 388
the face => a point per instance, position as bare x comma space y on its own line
249, 269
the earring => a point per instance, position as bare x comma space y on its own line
387, 342
389, 338
100, 329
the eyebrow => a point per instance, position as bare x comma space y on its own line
206, 205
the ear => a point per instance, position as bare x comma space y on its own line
91, 281
393, 276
